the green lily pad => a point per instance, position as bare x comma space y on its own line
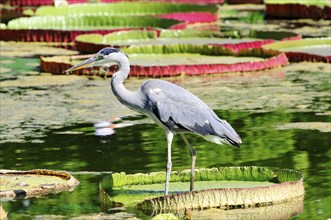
186, 59
123, 8
187, 33
216, 187
104, 16
34, 183
296, 44
88, 22
314, 49
149, 38
284, 210
64, 23
319, 3
171, 60
90, 43
260, 34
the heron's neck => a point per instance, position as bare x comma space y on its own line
126, 97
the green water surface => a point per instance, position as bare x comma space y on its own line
52, 127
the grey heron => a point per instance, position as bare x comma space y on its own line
172, 107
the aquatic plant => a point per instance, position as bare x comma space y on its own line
34, 183
172, 60
309, 49
272, 187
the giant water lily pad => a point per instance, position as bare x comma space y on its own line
89, 22
310, 49
172, 60
225, 187
34, 183
123, 8
90, 43
284, 210
63, 23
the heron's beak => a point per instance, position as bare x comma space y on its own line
87, 63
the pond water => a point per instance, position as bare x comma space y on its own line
48, 122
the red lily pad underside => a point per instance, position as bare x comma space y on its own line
58, 65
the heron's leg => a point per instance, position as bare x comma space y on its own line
193, 158
170, 136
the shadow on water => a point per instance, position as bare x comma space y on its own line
141, 148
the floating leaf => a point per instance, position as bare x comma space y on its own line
162, 39
34, 183
63, 23
186, 33
172, 60
276, 35
314, 49
51, 2
216, 187
169, 38
320, 3
88, 22
124, 8
191, 17
51, 35
31, 3
284, 210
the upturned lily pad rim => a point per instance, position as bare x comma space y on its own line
319, 3
288, 185
38, 191
125, 8
271, 58
247, 173
309, 49
298, 43
126, 37
89, 22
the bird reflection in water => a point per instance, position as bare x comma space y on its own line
106, 128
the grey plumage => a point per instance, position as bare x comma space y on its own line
172, 107
181, 111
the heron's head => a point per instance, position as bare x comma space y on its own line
105, 57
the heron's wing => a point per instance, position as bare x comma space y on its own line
178, 108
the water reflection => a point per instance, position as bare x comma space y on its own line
105, 128
142, 148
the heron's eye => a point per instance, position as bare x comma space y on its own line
99, 57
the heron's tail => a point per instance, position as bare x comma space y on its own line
226, 133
